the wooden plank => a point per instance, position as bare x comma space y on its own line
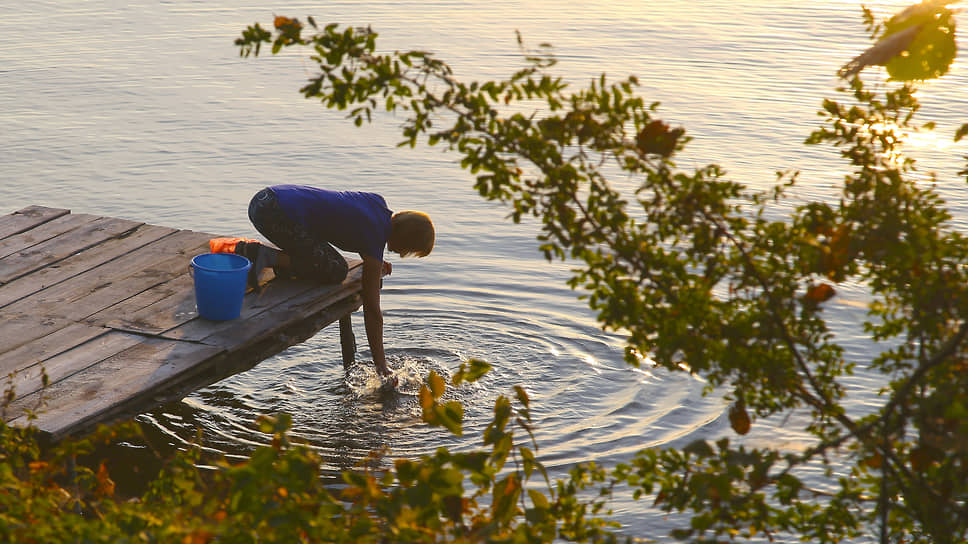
27, 219
17, 329
254, 304
118, 386
47, 346
81, 263
242, 357
105, 309
170, 304
62, 246
253, 309
253, 319
227, 364
92, 291
160, 271
252, 353
154, 311
285, 315
79, 358
162, 307
41, 233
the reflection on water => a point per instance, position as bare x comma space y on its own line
607, 408
144, 110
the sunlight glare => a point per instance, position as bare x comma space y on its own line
590, 361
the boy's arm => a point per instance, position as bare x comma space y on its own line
372, 315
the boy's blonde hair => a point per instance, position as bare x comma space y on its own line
414, 232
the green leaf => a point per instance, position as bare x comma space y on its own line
933, 49
538, 499
700, 448
527, 460
522, 395
501, 450
502, 412
703, 279
961, 132
451, 416
506, 494
471, 371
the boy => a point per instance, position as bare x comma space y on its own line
306, 222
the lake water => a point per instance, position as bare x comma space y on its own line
144, 110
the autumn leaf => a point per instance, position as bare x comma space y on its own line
436, 384
657, 139
922, 457
454, 507
105, 485
819, 293
198, 537
281, 22
837, 253
289, 32
874, 461
739, 420
427, 404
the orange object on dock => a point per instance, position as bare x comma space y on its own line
226, 245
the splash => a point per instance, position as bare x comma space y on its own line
411, 372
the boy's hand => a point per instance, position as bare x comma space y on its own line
387, 268
388, 377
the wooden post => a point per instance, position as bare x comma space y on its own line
347, 340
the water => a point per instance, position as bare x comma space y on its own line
144, 110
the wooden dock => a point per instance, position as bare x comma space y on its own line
103, 311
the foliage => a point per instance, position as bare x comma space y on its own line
693, 267
279, 495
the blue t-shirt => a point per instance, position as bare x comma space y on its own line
350, 220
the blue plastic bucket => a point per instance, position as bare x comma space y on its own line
220, 280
